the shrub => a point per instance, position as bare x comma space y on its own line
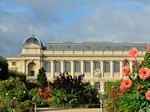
132, 93
41, 77
74, 91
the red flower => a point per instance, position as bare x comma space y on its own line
140, 87
144, 73
127, 83
45, 94
148, 48
133, 52
147, 95
125, 70
122, 88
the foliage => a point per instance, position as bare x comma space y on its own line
41, 77
62, 99
72, 91
14, 74
132, 93
3, 68
13, 87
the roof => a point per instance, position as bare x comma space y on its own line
96, 46
33, 40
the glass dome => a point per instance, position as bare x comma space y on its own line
33, 40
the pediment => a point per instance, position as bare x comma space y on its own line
31, 46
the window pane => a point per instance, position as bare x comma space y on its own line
57, 66
116, 66
134, 66
106, 66
47, 66
67, 66
97, 85
13, 63
126, 64
77, 66
87, 67
96, 65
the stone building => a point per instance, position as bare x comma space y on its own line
99, 61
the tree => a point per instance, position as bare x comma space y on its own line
3, 68
77, 92
41, 78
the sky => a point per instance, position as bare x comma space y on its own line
72, 20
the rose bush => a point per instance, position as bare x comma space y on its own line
132, 93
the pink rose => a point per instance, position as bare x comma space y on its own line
127, 83
144, 73
125, 70
133, 52
148, 48
122, 88
147, 95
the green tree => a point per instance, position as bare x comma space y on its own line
41, 78
76, 91
3, 68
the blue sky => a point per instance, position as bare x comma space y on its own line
72, 20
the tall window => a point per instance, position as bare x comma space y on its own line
96, 65
67, 66
77, 66
106, 66
134, 66
87, 66
116, 66
126, 64
97, 85
57, 66
47, 66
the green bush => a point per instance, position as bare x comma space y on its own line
14, 74
13, 88
71, 91
41, 78
3, 69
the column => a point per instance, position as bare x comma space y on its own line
130, 65
92, 70
24, 66
82, 67
111, 69
121, 65
72, 68
62, 66
101, 68
52, 68
102, 86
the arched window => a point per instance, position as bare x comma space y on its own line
67, 66
31, 69
97, 85
77, 66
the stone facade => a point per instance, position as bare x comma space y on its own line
98, 61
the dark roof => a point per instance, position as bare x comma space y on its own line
32, 40
96, 46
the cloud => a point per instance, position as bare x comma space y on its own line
112, 22
75, 20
